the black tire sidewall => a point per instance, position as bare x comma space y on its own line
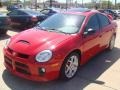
62, 71
109, 48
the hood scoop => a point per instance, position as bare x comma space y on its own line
23, 41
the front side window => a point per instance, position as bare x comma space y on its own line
65, 23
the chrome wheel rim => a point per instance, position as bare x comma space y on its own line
112, 42
71, 66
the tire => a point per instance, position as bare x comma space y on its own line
111, 43
70, 66
3, 31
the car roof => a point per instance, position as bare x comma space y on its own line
29, 11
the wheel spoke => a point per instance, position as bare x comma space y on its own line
71, 66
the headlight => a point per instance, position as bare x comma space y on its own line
7, 42
44, 56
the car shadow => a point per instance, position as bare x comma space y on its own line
87, 74
4, 36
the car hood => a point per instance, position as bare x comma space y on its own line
34, 41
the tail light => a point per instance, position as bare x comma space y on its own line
34, 19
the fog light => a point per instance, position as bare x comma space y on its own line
41, 71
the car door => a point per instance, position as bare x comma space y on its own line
106, 30
91, 43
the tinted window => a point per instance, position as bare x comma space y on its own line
103, 20
31, 12
21, 13
66, 23
93, 23
45, 11
15, 12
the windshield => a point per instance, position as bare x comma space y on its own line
64, 23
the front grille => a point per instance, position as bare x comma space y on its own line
10, 50
17, 54
22, 55
22, 71
19, 67
8, 62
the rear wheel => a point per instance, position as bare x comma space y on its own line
112, 43
70, 66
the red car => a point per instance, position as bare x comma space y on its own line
59, 45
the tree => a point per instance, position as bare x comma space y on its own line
51, 3
106, 4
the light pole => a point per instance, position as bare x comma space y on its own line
50, 3
115, 3
66, 4
24, 3
36, 5
82, 3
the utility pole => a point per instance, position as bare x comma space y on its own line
82, 3
17, 2
108, 5
36, 5
10, 2
0, 4
66, 4
50, 3
115, 3
24, 3
43, 4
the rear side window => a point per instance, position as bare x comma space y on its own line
21, 13
45, 11
93, 23
103, 20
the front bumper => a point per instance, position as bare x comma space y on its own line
30, 70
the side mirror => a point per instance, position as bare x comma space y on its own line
89, 31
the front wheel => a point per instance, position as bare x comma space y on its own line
111, 43
70, 66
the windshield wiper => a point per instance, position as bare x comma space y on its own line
55, 30
41, 28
